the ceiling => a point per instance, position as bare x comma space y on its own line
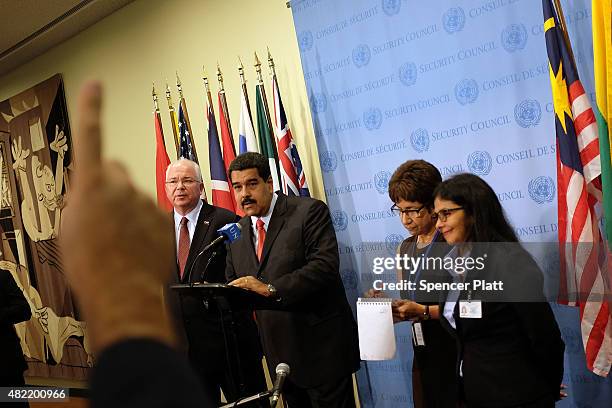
28, 28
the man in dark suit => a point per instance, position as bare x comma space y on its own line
14, 309
288, 252
209, 345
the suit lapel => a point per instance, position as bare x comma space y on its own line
276, 225
201, 230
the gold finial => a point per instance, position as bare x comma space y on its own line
205, 78
154, 94
257, 63
179, 85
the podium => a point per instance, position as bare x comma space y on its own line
229, 300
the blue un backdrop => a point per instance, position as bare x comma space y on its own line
462, 84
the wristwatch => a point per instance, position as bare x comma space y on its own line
271, 290
426, 315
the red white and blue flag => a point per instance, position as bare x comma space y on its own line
221, 194
293, 180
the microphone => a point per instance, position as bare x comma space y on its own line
282, 371
229, 232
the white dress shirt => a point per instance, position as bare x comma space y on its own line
265, 219
192, 217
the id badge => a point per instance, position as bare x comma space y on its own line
470, 309
417, 334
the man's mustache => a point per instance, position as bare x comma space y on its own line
248, 201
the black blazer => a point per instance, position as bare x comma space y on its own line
14, 308
314, 331
514, 353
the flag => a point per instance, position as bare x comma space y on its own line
221, 194
229, 153
247, 140
265, 136
162, 161
579, 192
186, 149
293, 180
602, 66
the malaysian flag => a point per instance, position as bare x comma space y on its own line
221, 194
579, 194
293, 180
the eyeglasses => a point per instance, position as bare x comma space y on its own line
410, 212
443, 214
185, 182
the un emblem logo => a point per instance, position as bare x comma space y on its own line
542, 189
361, 55
349, 279
419, 139
514, 37
408, 73
466, 91
329, 161
339, 220
318, 103
381, 181
480, 163
527, 113
372, 118
453, 20
305, 41
392, 242
391, 7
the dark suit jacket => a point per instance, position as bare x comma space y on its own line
202, 328
14, 308
145, 373
514, 353
314, 330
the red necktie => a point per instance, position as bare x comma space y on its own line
183, 246
261, 237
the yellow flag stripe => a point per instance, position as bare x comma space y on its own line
548, 24
602, 64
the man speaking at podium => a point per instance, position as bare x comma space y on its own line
288, 252
196, 224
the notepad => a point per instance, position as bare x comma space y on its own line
376, 334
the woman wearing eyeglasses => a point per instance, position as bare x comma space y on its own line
510, 349
411, 189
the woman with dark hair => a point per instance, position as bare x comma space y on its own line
411, 189
510, 349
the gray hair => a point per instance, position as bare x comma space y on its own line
181, 160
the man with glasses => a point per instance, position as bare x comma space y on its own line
195, 226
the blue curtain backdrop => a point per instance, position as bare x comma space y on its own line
462, 84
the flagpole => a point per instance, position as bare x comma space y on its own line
173, 119
244, 86
184, 106
563, 28
260, 84
224, 104
206, 86
156, 106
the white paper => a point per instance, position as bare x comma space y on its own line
376, 334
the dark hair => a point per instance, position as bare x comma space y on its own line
480, 202
251, 160
414, 180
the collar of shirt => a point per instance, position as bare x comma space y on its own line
265, 218
192, 216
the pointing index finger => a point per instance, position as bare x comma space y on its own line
88, 140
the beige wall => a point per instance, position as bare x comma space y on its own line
149, 40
